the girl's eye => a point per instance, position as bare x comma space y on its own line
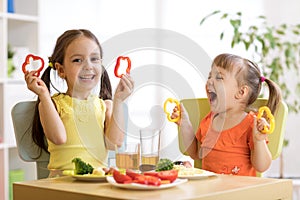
218, 76
96, 59
77, 60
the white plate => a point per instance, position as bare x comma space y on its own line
203, 175
90, 177
136, 186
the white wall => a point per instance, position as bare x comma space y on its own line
115, 17
279, 12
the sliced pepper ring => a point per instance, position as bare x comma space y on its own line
171, 100
261, 111
30, 58
116, 71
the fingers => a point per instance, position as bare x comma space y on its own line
34, 83
182, 113
30, 78
258, 125
127, 82
261, 123
125, 87
175, 114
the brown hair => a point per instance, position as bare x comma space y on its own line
58, 55
248, 73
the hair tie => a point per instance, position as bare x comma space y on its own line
50, 64
262, 79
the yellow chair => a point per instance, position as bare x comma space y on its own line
198, 108
22, 115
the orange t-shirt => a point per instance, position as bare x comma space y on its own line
228, 151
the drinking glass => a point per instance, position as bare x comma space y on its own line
128, 156
150, 146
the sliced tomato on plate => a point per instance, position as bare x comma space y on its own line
170, 175
147, 180
121, 178
151, 173
132, 174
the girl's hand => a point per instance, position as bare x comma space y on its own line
35, 84
184, 115
124, 88
258, 127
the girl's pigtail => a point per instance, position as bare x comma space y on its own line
274, 95
105, 90
38, 135
46, 77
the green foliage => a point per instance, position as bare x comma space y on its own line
164, 164
285, 143
10, 52
275, 48
82, 167
10, 66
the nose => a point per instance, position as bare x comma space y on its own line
209, 81
87, 64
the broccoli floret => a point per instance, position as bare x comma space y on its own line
164, 164
82, 167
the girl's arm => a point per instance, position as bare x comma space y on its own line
114, 121
186, 133
53, 127
261, 157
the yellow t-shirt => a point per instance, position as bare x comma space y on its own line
84, 123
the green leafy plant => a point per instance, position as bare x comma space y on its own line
10, 66
10, 52
275, 48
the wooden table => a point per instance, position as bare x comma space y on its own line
224, 187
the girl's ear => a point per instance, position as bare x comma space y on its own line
60, 70
242, 92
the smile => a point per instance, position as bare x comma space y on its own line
87, 77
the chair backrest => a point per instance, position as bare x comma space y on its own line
198, 108
22, 115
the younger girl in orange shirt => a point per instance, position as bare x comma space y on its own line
229, 140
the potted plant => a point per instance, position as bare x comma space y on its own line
10, 66
275, 48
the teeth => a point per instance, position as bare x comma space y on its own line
87, 76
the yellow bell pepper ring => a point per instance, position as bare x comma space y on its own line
270, 117
171, 100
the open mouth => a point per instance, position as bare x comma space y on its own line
212, 96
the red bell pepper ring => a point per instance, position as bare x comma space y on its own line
29, 62
118, 66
